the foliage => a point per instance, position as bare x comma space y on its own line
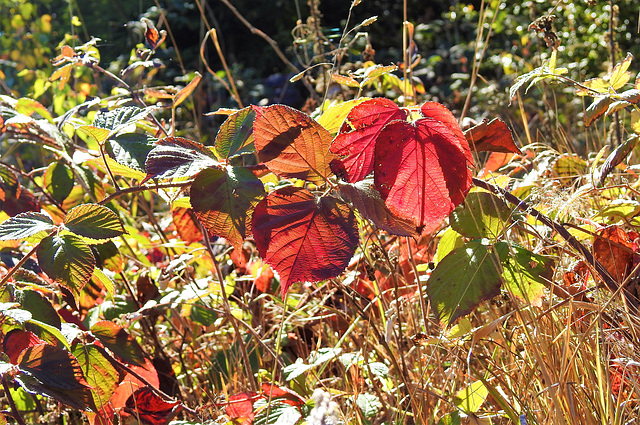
366, 260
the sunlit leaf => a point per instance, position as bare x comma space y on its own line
240, 406
302, 237
471, 397
100, 374
421, 169
187, 90
291, 144
99, 134
173, 157
58, 375
94, 221
615, 158
120, 117
613, 248
17, 340
24, 225
464, 278
131, 149
333, 117
116, 339
356, 141
492, 136
67, 260
593, 85
619, 75
39, 306
186, 226
597, 109
29, 107
345, 80
235, 136
526, 275
58, 181
224, 199
483, 215
152, 36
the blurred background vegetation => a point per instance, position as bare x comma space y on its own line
447, 35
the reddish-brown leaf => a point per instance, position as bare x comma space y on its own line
291, 144
357, 138
56, 373
304, 238
153, 37
17, 340
492, 136
150, 408
284, 395
422, 169
614, 250
240, 407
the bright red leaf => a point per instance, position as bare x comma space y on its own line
422, 168
304, 238
17, 340
492, 136
285, 395
240, 407
150, 408
357, 138
291, 144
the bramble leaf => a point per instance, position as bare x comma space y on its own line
150, 408
235, 136
116, 339
526, 274
224, 200
24, 225
56, 373
616, 157
355, 143
492, 136
421, 169
131, 149
93, 221
291, 144
464, 278
174, 157
304, 238
67, 260
483, 215
58, 181
597, 108
98, 371
333, 117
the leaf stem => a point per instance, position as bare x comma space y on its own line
14, 409
17, 267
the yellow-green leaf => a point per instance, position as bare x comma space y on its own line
94, 221
619, 75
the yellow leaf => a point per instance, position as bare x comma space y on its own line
333, 117
345, 80
635, 121
598, 85
99, 134
619, 75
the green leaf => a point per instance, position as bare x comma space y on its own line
28, 107
464, 278
526, 275
24, 225
174, 157
452, 418
118, 118
94, 221
483, 215
98, 371
470, 398
58, 181
275, 412
116, 339
131, 149
224, 201
40, 307
369, 404
235, 136
47, 332
449, 241
67, 260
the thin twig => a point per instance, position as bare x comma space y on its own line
14, 409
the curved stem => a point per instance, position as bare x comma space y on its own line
14, 409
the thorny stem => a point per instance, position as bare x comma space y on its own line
14, 409
227, 308
606, 277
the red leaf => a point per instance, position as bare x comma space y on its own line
17, 340
130, 384
356, 141
183, 219
439, 112
422, 169
240, 406
291, 144
150, 408
614, 250
285, 395
492, 136
302, 237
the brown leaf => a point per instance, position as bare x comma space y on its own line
492, 136
614, 250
